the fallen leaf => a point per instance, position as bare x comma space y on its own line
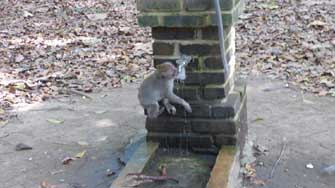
259, 182
27, 14
67, 160
20, 86
21, 147
3, 123
80, 154
55, 121
109, 172
101, 111
310, 166
98, 16
56, 172
258, 119
19, 58
318, 23
12, 89
103, 138
268, 6
163, 170
2, 111
250, 170
83, 143
45, 184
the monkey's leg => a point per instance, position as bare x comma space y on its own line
154, 110
169, 107
175, 99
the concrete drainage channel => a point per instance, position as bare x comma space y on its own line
188, 168
201, 149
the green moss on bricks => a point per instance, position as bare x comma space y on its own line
197, 5
178, 20
214, 126
204, 78
204, 5
200, 49
213, 92
211, 33
215, 62
159, 6
188, 93
144, 20
163, 33
227, 19
226, 4
160, 48
184, 20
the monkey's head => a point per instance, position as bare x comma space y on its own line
167, 70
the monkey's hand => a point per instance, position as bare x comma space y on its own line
170, 109
187, 107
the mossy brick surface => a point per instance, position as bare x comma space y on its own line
181, 140
147, 20
199, 110
184, 20
168, 124
214, 92
159, 5
160, 48
195, 19
229, 108
205, 78
188, 5
163, 33
224, 140
211, 32
215, 62
199, 48
205, 5
188, 93
214, 126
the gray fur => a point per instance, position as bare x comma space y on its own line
156, 88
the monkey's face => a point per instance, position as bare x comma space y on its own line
167, 70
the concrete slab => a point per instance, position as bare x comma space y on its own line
136, 164
225, 173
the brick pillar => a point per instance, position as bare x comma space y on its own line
189, 27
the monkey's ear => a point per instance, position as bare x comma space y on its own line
161, 67
161, 70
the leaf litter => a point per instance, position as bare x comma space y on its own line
290, 40
47, 47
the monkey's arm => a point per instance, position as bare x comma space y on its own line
175, 99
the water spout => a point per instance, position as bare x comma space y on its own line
182, 63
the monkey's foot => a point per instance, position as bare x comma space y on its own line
170, 109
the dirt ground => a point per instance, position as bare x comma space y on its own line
304, 124
103, 126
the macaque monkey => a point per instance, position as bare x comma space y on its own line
159, 87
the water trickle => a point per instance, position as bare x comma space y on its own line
185, 133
